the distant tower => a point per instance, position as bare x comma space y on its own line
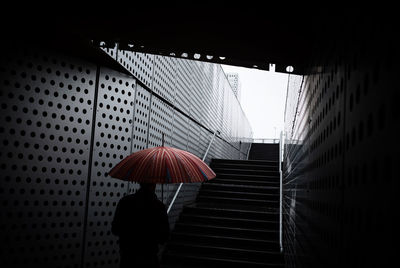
233, 79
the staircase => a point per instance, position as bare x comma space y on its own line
234, 221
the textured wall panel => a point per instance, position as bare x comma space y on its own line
46, 114
160, 123
139, 64
219, 99
194, 138
180, 131
112, 52
339, 179
164, 83
141, 119
197, 94
183, 85
207, 89
112, 143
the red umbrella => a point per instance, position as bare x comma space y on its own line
162, 165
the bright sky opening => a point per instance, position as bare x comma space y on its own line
263, 96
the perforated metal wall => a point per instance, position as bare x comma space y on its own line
183, 86
138, 64
194, 138
46, 117
112, 143
180, 131
141, 119
66, 122
197, 93
111, 50
165, 77
339, 207
160, 123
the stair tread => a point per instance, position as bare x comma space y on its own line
190, 244
237, 192
235, 210
248, 187
249, 182
249, 176
230, 218
216, 180
245, 166
245, 163
241, 199
242, 207
246, 169
227, 237
227, 228
219, 160
225, 260
228, 183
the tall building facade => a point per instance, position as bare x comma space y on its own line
234, 81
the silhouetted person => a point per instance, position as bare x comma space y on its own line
141, 222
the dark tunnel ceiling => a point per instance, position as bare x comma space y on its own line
246, 36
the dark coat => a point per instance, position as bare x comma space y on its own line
141, 222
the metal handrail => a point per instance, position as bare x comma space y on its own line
280, 191
180, 185
265, 140
260, 140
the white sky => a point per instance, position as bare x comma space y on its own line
263, 99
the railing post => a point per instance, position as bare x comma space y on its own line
280, 190
209, 146
180, 185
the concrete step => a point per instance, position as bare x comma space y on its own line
230, 222
239, 188
219, 240
215, 201
248, 166
273, 186
240, 195
237, 171
225, 252
252, 208
231, 213
246, 162
209, 229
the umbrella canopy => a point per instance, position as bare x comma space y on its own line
162, 165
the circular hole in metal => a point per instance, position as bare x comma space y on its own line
289, 69
197, 56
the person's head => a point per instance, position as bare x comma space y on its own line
148, 186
